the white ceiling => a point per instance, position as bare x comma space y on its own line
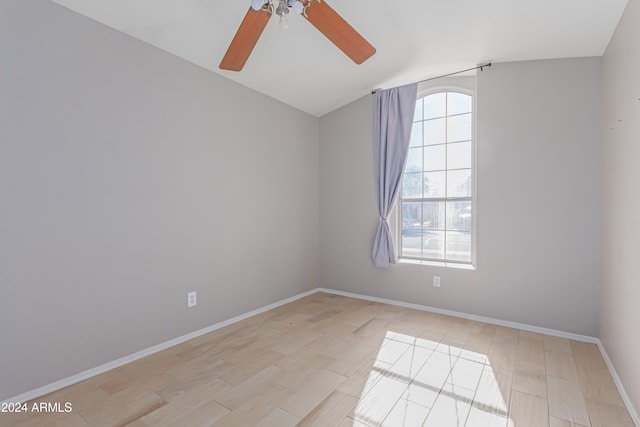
415, 39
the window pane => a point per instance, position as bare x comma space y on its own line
416, 135
435, 105
411, 218
433, 215
411, 246
435, 131
459, 128
418, 114
459, 246
459, 183
412, 185
458, 103
433, 244
434, 185
459, 155
435, 157
459, 216
414, 160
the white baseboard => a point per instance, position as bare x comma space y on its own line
623, 393
65, 382
515, 325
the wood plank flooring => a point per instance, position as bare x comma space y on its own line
327, 360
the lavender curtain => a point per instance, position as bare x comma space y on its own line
394, 109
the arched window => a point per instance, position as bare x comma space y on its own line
436, 199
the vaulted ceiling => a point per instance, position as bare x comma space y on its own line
415, 39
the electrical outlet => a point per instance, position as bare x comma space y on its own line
192, 299
436, 281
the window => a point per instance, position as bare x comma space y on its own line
436, 199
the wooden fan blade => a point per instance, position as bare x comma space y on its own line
336, 29
245, 39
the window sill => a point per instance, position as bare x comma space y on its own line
437, 264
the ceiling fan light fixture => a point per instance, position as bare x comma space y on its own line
298, 6
258, 4
282, 8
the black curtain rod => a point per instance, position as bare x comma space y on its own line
481, 67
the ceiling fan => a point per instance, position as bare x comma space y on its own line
317, 12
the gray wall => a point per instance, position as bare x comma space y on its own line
129, 177
538, 202
619, 318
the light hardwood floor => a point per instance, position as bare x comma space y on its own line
327, 360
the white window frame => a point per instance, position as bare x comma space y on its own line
474, 214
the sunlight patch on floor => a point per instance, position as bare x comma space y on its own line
419, 382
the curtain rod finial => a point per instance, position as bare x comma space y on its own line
484, 64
